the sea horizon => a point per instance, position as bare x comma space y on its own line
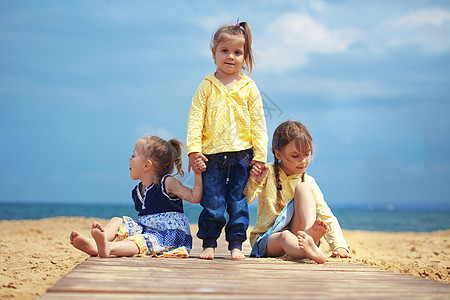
386, 219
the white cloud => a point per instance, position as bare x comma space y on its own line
212, 23
289, 39
427, 30
316, 6
434, 16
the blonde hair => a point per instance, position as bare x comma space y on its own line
285, 133
240, 29
165, 155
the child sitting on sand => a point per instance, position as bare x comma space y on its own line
293, 228
161, 229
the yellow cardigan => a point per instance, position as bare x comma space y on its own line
222, 121
268, 210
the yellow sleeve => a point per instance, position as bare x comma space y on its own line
253, 189
196, 119
333, 236
258, 124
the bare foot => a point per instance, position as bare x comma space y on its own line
308, 247
79, 241
317, 231
236, 254
207, 253
98, 233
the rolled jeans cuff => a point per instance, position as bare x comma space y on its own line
209, 243
235, 245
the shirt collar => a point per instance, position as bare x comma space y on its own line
244, 79
142, 197
283, 175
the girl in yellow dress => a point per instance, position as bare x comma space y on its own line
292, 214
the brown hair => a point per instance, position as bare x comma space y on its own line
285, 133
165, 155
243, 29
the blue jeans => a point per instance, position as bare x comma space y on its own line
223, 184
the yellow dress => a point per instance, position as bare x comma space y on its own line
268, 209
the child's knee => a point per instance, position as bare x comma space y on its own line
117, 220
302, 189
286, 236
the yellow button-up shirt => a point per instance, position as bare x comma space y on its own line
268, 210
222, 121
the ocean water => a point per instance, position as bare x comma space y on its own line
349, 218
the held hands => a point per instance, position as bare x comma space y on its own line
258, 171
341, 252
197, 162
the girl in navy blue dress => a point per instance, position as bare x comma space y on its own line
161, 228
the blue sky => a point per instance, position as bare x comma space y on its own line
80, 81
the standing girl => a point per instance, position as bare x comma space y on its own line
227, 130
161, 228
292, 227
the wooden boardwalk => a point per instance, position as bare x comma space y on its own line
222, 278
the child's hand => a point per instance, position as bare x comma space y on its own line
258, 171
199, 166
341, 252
197, 162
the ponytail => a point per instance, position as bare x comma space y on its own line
164, 155
248, 53
177, 147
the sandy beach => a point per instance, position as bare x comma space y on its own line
35, 254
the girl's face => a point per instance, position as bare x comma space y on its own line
229, 55
138, 161
292, 160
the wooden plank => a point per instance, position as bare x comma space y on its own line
91, 282
222, 278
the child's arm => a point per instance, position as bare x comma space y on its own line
334, 235
256, 182
194, 195
196, 120
257, 124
